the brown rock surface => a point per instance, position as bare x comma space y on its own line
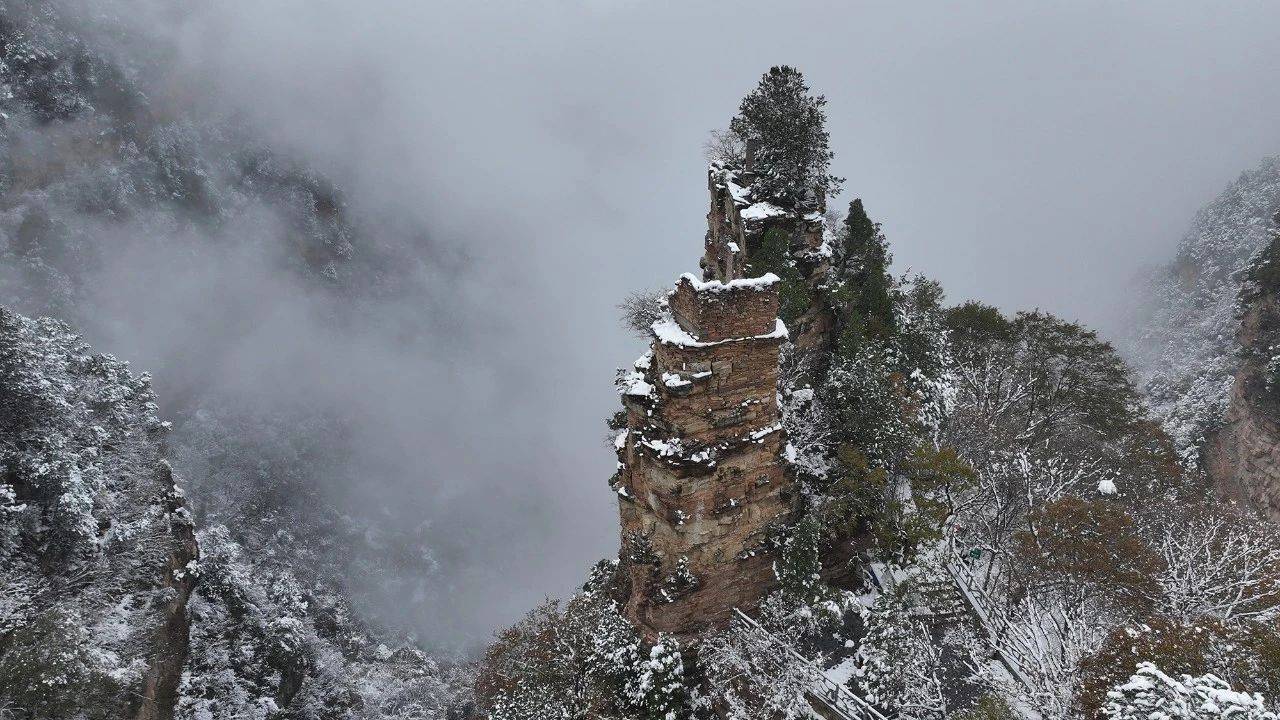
735, 228
1243, 455
702, 482
701, 478
171, 640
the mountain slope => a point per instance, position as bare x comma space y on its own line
137, 210
97, 552
1185, 352
1241, 454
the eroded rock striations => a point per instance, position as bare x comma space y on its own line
1242, 454
747, 235
702, 478
702, 481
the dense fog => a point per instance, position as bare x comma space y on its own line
518, 168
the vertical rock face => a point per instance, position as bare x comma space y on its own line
1242, 456
702, 480
171, 639
1242, 453
702, 477
1185, 350
738, 229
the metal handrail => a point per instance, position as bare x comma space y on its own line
985, 606
863, 708
979, 602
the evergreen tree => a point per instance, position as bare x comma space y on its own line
800, 567
773, 255
869, 402
898, 666
585, 660
864, 295
656, 686
785, 126
1150, 693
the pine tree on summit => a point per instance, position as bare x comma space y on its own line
785, 127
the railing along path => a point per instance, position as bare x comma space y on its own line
836, 697
999, 636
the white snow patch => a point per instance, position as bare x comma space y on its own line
841, 674
760, 283
762, 211
669, 331
673, 380
635, 384
763, 432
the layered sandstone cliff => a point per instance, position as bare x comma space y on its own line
746, 234
703, 484
702, 479
1242, 455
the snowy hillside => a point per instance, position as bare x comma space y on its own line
97, 555
1185, 353
122, 192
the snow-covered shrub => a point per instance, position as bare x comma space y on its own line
724, 148
806, 419
887, 392
640, 309
899, 667
1243, 654
1153, 695
656, 687
584, 660
679, 581
747, 676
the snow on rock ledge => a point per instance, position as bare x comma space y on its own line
761, 283
669, 331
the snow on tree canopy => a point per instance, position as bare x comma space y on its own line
1153, 695
92, 527
77, 427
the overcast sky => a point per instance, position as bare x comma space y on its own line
1024, 154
